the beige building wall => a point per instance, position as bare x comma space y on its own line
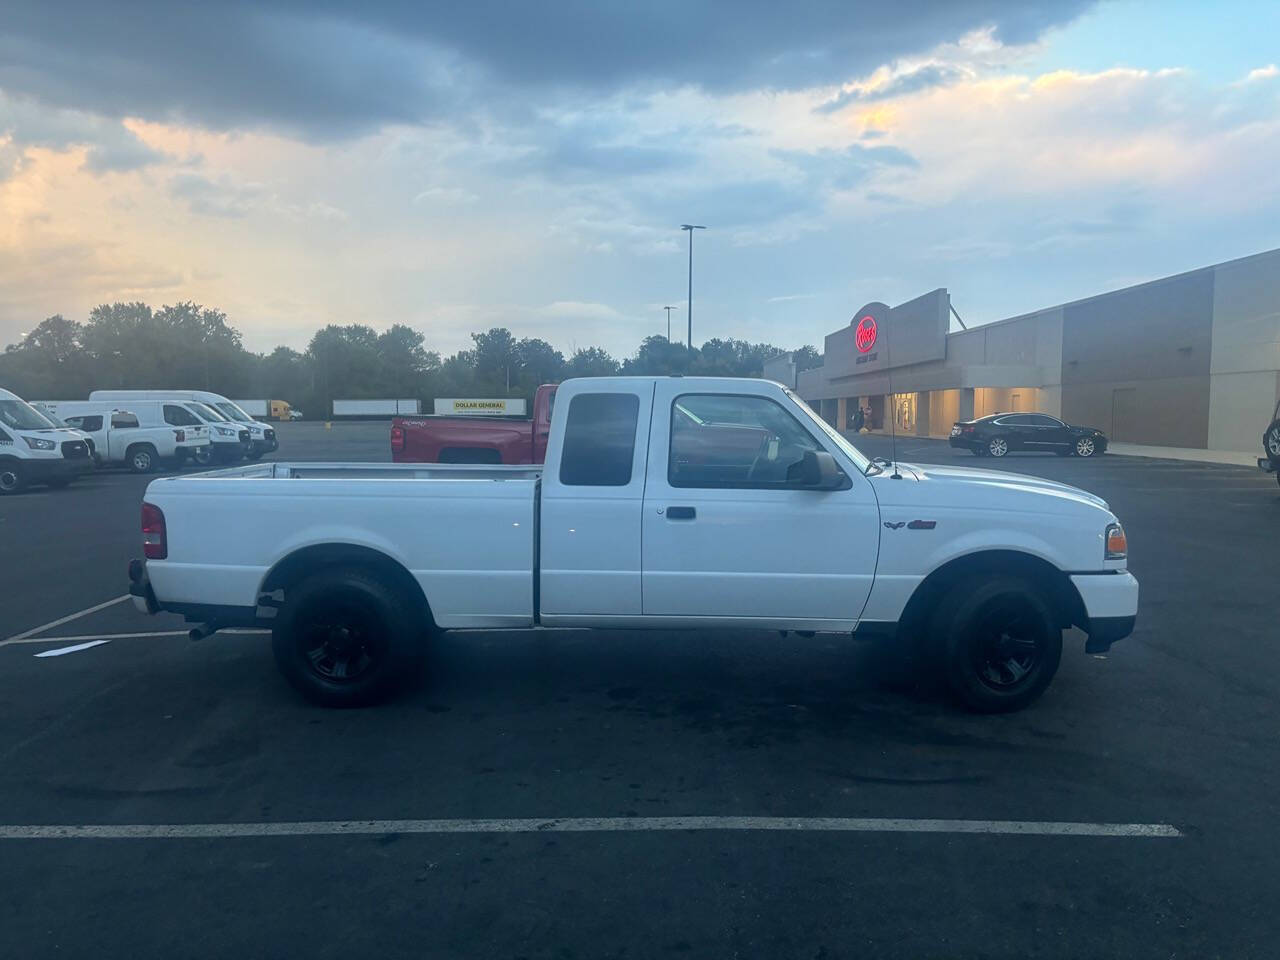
1245, 356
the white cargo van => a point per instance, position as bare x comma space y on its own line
33, 450
262, 438
139, 435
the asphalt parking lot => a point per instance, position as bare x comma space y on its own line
1176, 727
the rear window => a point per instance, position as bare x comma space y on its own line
599, 440
87, 423
123, 421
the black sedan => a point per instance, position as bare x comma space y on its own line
1000, 433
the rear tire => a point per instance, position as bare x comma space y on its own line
346, 638
12, 477
999, 640
997, 446
142, 458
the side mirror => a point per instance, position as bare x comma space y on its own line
817, 470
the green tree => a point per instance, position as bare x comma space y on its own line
591, 362
807, 357
539, 363
496, 360
405, 362
658, 356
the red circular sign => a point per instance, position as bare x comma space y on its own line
864, 335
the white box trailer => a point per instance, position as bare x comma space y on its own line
254, 408
376, 408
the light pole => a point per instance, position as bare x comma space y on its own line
668, 309
691, 227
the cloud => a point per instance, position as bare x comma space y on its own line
111, 147
335, 70
1269, 72
220, 198
911, 81
445, 197
576, 310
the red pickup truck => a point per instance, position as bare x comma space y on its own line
475, 439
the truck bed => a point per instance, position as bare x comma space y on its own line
465, 533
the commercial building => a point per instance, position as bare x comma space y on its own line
1191, 360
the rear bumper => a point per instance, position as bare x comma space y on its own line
964, 443
1111, 604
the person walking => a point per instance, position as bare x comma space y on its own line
859, 418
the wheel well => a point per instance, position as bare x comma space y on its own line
309, 560
1058, 587
139, 443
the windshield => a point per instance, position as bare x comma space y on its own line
206, 412
849, 450
232, 411
20, 415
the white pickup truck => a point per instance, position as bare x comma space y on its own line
664, 503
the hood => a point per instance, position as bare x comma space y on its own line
947, 485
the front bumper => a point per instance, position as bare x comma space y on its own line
1267, 464
1111, 605
43, 469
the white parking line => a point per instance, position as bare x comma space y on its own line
61, 620
325, 828
76, 649
119, 636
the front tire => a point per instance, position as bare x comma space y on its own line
1000, 642
997, 446
12, 477
1086, 447
255, 454
1271, 441
346, 638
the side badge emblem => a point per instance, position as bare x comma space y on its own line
895, 526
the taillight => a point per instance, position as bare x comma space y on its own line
155, 544
968, 429
397, 438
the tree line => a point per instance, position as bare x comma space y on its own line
189, 346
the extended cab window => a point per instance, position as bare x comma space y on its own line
734, 440
179, 416
599, 440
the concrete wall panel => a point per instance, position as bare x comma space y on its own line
1168, 412
1240, 407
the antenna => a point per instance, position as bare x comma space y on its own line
893, 401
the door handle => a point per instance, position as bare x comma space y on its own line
681, 513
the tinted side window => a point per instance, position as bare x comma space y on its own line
179, 417
734, 440
1017, 420
1040, 420
599, 440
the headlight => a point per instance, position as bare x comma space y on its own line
224, 432
36, 443
1117, 543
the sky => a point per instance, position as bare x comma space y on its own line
529, 165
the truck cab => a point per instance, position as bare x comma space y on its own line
35, 451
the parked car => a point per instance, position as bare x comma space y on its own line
262, 438
34, 451
643, 516
139, 435
1002, 433
1270, 461
468, 439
